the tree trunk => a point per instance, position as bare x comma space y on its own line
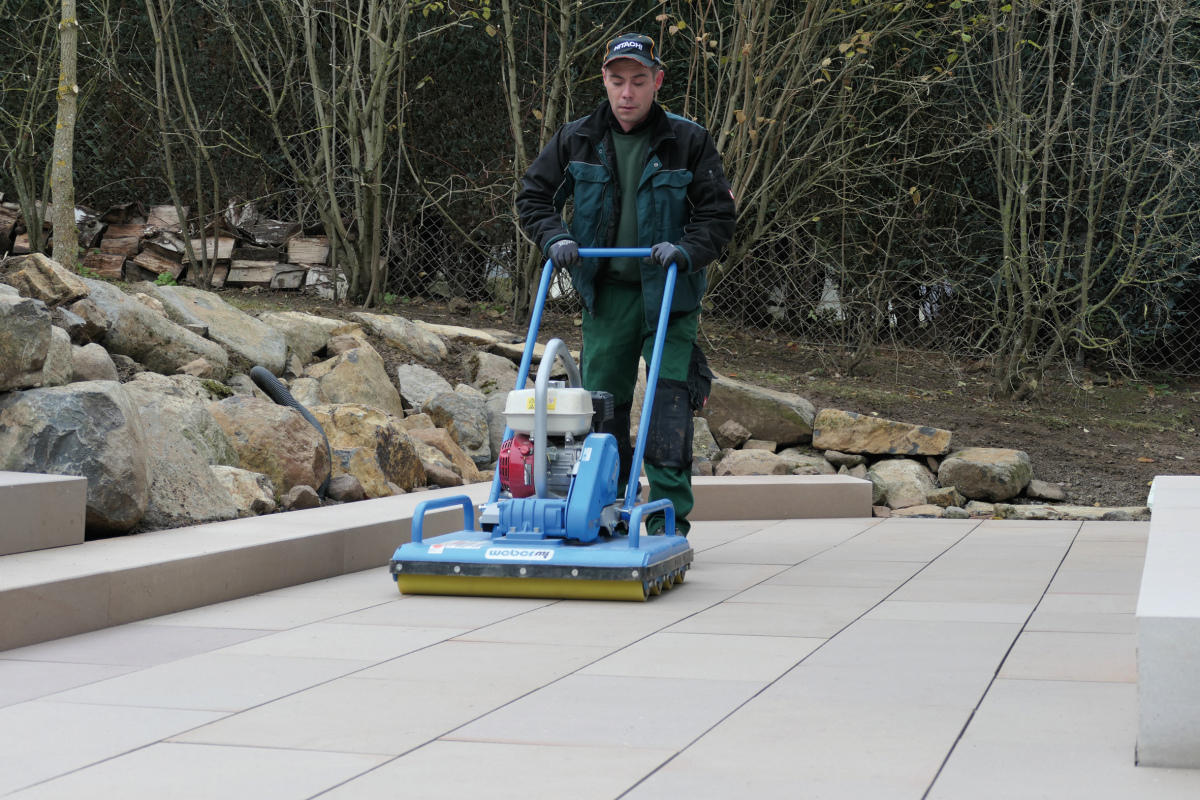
62, 183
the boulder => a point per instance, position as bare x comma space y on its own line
986, 473
881, 512
347, 489
8, 291
149, 339
847, 460
358, 376
1041, 490
155, 305
928, 510
251, 492
905, 482
947, 497
490, 373
25, 334
704, 445
43, 279
752, 462
878, 489
200, 368
182, 402
465, 419
441, 477
494, 408
242, 385
954, 512
1049, 512
404, 336
72, 323
294, 368
301, 497
848, 432
307, 392
441, 440
978, 509
803, 463
702, 466
345, 342
431, 457
759, 444
95, 324
274, 440
89, 429
731, 434
58, 369
776, 416
252, 339
417, 422
93, 363
372, 446
471, 393
418, 384
305, 334
859, 472
467, 336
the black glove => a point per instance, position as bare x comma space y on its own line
664, 253
564, 253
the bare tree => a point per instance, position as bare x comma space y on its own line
62, 179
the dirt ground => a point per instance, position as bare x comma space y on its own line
1103, 437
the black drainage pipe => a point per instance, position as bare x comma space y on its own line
275, 390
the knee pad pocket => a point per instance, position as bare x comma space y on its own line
669, 442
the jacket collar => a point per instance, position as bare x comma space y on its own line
596, 126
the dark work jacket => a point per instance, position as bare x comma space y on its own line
683, 198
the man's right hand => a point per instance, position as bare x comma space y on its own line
564, 253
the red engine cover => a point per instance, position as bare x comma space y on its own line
516, 462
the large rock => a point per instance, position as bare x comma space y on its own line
58, 369
43, 279
252, 492
467, 336
371, 446
906, 482
253, 340
752, 462
306, 334
440, 439
847, 432
496, 421
148, 338
704, 445
274, 440
87, 429
780, 417
182, 402
733, 434
986, 473
93, 363
418, 384
1050, 512
357, 376
465, 419
406, 337
490, 373
25, 333
803, 463
95, 324
432, 458
307, 392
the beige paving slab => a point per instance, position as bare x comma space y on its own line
1114, 532
1016, 532
506, 772
1104, 563
1050, 621
1056, 739
1082, 603
203, 772
971, 590
362, 715
260, 612
1105, 547
29, 680
707, 657
933, 611
919, 646
371, 587
968, 548
741, 552
709, 575
810, 531
897, 545
212, 682
40, 740
833, 596
820, 571
1093, 582
990, 569
576, 622
609, 711
1062, 656
460, 662
134, 645
772, 619
705, 534
354, 642
879, 683
442, 612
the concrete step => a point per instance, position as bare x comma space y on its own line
40, 511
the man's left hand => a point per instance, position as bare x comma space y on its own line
664, 253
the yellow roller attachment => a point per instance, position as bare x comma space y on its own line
541, 588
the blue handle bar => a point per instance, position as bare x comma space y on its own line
635, 520
418, 523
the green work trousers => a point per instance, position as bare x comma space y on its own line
614, 339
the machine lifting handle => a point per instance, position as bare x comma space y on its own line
418, 522
635, 519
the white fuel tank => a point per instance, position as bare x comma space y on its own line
567, 411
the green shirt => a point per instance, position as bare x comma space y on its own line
630, 152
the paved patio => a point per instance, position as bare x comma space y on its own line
824, 659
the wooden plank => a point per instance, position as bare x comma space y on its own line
220, 248
158, 260
126, 231
308, 250
251, 273
21, 245
164, 217
220, 273
126, 246
106, 265
288, 276
249, 253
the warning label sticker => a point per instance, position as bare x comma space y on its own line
530, 404
518, 554
466, 544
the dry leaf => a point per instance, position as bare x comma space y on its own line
1145, 460
1150, 392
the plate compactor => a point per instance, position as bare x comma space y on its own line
553, 525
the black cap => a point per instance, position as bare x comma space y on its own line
633, 45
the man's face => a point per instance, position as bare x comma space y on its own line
631, 89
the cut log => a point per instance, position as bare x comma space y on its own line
168, 241
8, 222
125, 214
157, 259
248, 253
120, 245
106, 265
251, 273
220, 273
308, 250
288, 276
255, 227
219, 248
21, 245
165, 218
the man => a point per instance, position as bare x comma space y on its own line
639, 177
